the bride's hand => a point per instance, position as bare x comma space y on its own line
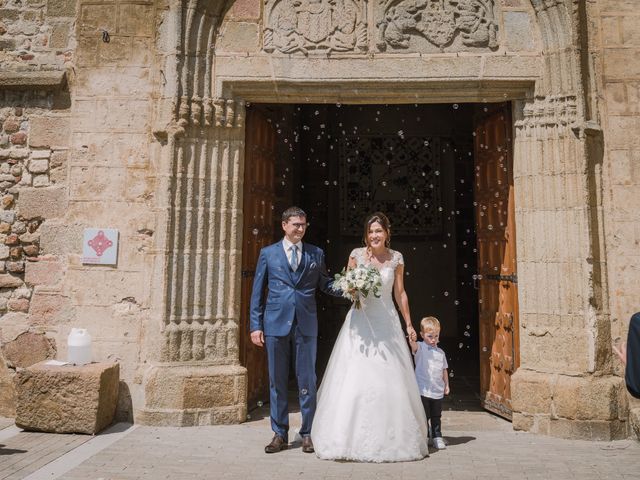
411, 333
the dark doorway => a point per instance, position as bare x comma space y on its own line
416, 164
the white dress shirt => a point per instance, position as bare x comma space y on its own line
287, 250
430, 362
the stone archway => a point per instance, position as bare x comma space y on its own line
199, 125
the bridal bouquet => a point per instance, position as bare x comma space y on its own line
358, 281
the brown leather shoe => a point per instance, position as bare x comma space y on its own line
277, 443
307, 445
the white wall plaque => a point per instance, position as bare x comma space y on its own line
100, 246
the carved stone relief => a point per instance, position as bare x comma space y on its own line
424, 25
315, 25
304, 26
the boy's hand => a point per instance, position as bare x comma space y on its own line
413, 336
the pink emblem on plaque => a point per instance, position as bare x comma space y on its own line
100, 243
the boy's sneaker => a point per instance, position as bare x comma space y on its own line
439, 444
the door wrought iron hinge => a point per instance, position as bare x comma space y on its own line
513, 278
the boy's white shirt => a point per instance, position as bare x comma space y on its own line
430, 362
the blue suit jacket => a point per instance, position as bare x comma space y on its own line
287, 299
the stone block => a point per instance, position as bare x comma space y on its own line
518, 32
134, 81
9, 281
200, 392
41, 180
8, 216
67, 399
99, 182
11, 125
194, 395
588, 398
49, 132
531, 392
60, 36
43, 273
621, 63
119, 51
611, 30
27, 349
245, 10
114, 115
634, 421
38, 165
40, 154
630, 30
7, 391
61, 8
133, 19
633, 97
239, 37
50, 308
47, 202
96, 17
87, 50
58, 167
18, 138
18, 305
9, 14
521, 421
594, 430
57, 238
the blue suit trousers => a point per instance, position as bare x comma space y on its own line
279, 354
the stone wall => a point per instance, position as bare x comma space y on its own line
36, 46
36, 34
67, 165
617, 55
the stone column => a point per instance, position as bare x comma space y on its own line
195, 377
564, 386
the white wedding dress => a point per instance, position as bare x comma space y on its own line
369, 406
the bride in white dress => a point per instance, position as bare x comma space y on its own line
369, 406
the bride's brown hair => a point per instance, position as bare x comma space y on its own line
382, 219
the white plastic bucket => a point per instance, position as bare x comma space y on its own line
79, 346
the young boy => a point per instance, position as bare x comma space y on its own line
432, 375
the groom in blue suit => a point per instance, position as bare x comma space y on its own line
286, 321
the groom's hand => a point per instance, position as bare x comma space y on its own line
257, 338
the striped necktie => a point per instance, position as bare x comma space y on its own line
294, 257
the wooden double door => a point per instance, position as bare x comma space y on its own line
496, 277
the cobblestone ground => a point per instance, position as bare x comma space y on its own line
481, 446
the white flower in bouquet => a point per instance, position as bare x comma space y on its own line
359, 281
